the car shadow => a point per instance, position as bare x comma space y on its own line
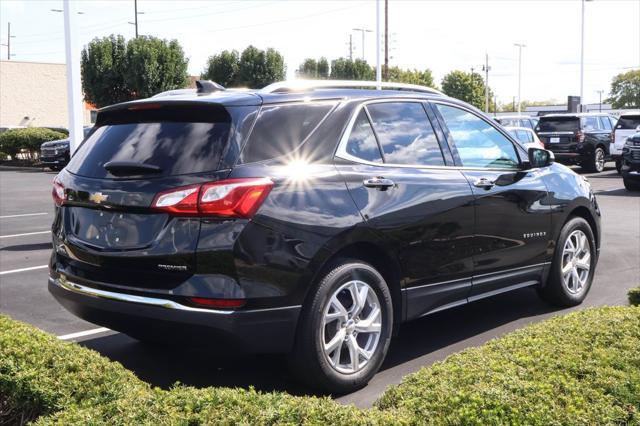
27, 247
620, 192
163, 365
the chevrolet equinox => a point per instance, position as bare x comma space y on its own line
310, 219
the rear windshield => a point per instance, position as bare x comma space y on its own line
177, 140
559, 124
627, 122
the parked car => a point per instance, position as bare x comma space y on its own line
627, 125
310, 218
525, 136
527, 121
56, 154
630, 167
582, 138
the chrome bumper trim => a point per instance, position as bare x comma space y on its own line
64, 283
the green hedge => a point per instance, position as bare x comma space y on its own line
582, 368
634, 296
30, 138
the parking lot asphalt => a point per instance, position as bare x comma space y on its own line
26, 212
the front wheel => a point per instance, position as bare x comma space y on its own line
345, 329
573, 266
619, 166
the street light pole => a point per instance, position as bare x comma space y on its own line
582, 56
8, 44
363, 31
74, 92
520, 46
378, 39
135, 9
600, 93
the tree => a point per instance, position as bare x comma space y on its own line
222, 68
257, 68
154, 66
313, 69
347, 69
103, 69
625, 90
116, 71
422, 78
466, 87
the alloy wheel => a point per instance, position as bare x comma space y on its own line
351, 327
599, 159
576, 262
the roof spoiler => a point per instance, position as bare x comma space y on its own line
208, 86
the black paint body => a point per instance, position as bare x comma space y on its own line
438, 240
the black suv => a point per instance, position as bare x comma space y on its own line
55, 154
310, 219
582, 139
630, 163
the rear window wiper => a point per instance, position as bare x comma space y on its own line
131, 168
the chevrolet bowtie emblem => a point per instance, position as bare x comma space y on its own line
98, 197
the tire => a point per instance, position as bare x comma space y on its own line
573, 290
630, 185
619, 166
55, 168
328, 315
596, 162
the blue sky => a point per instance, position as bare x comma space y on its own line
441, 35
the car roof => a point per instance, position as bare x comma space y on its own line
515, 116
636, 112
518, 128
256, 97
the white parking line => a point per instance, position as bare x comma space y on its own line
83, 333
22, 215
24, 235
15, 271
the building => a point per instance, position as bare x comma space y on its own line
35, 94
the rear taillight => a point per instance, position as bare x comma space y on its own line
580, 136
227, 198
58, 192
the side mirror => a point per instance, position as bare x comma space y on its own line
540, 158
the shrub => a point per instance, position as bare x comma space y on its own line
583, 368
634, 296
30, 138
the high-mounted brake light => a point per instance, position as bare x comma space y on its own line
239, 198
58, 192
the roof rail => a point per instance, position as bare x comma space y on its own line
300, 85
208, 86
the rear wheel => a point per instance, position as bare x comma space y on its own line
596, 161
345, 329
573, 265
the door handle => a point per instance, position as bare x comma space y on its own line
379, 183
484, 183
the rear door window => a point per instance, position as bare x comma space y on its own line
362, 141
605, 124
591, 124
175, 140
559, 124
281, 129
405, 134
628, 122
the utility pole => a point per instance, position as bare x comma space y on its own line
351, 47
386, 39
520, 46
363, 31
472, 68
486, 68
8, 43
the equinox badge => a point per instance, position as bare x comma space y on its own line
98, 197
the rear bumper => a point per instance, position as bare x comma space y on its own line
260, 331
